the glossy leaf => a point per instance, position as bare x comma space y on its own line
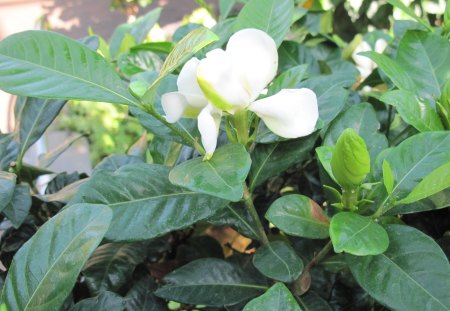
19, 206
277, 260
271, 16
413, 274
363, 119
324, 155
357, 235
288, 79
7, 185
140, 297
436, 181
105, 301
388, 177
278, 297
270, 160
115, 161
212, 282
45, 269
299, 216
49, 65
65, 194
414, 111
144, 203
221, 176
33, 117
111, 266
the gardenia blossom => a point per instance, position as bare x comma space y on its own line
230, 81
364, 64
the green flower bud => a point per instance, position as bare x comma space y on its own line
351, 160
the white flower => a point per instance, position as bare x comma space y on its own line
230, 81
364, 64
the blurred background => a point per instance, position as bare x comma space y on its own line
106, 125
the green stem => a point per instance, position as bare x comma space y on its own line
240, 122
319, 256
248, 200
350, 198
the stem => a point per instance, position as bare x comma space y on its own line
388, 125
255, 217
240, 122
319, 256
350, 199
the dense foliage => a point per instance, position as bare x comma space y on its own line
352, 214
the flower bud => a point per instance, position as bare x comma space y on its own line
351, 160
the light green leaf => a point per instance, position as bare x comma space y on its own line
436, 181
278, 297
413, 110
324, 154
210, 281
111, 266
49, 65
272, 16
221, 176
144, 202
277, 260
412, 275
357, 235
40, 277
299, 216
7, 185
388, 177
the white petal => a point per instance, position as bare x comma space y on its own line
208, 125
291, 113
380, 45
188, 85
174, 105
220, 83
255, 57
364, 64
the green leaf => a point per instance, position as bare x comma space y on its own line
313, 302
324, 155
138, 30
140, 297
292, 54
388, 177
105, 301
225, 7
363, 119
19, 206
351, 160
65, 194
288, 79
40, 277
9, 149
413, 110
185, 49
49, 65
270, 160
436, 181
413, 274
278, 297
277, 260
111, 265
144, 202
33, 117
411, 161
410, 12
210, 281
221, 176
115, 161
357, 235
7, 185
271, 16
45, 160
299, 216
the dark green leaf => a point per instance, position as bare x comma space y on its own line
363, 119
278, 297
45, 269
33, 117
288, 79
106, 301
357, 235
413, 110
278, 261
269, 160
413, 274
111, 266
144, 202
271, 16
19, 206
113, 162
212, 282
7, 185
140, 297
9, 149
300, 216
313, 302
49, 65
291, 54
221, 176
